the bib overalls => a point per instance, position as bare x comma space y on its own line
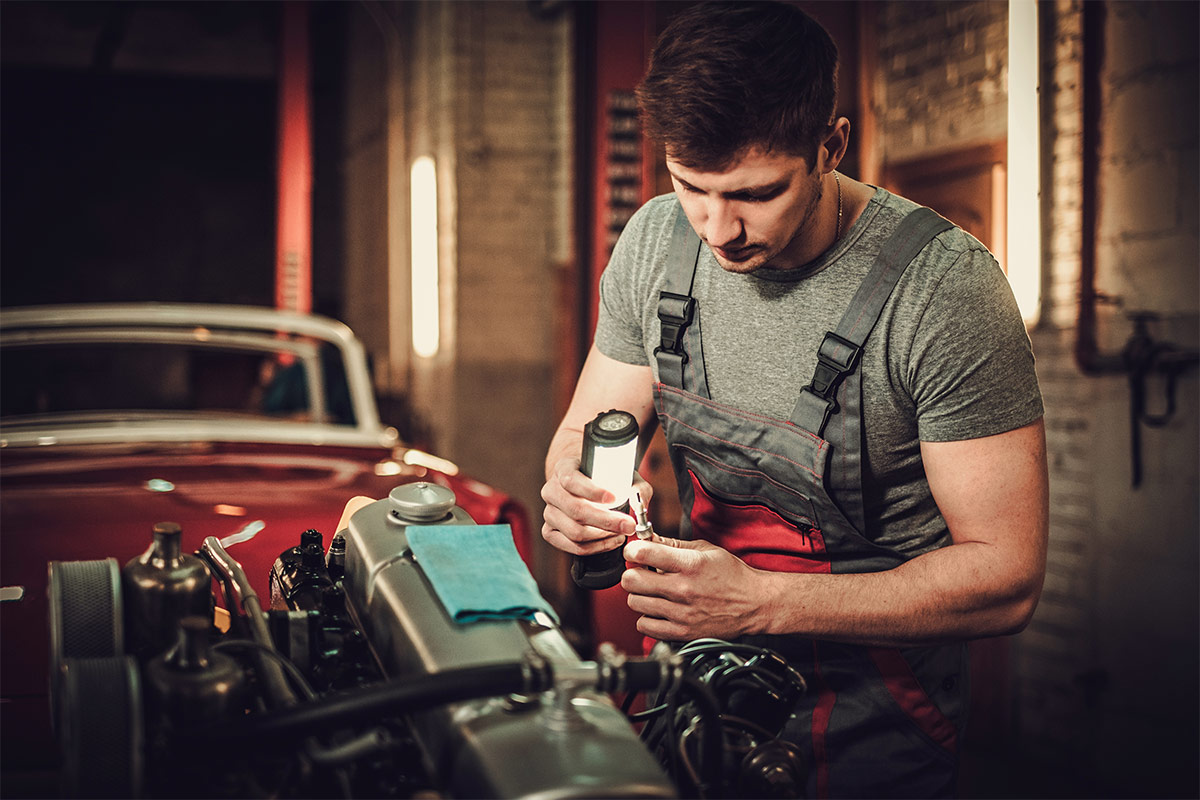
786, 495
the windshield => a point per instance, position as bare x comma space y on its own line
301, 382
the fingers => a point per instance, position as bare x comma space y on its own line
575, 519
576, 484
686, 589
580, 540
664, 630
664, 618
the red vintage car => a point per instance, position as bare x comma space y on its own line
250, 425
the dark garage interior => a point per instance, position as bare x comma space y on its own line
155, 152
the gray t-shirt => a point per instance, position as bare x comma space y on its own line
949, 359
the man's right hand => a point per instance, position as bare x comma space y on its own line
576, 520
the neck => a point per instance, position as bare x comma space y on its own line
826, 221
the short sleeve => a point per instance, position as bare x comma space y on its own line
620, 326
971, 368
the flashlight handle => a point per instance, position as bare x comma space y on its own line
599, 570
602, 570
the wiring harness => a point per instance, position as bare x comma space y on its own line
719, 729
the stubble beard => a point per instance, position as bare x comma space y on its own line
767, 259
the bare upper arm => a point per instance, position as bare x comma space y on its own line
606, 383
994, 491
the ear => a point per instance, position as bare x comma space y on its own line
833, 147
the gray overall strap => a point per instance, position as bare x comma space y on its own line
838, 354
677, 312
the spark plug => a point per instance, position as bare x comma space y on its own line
644, 529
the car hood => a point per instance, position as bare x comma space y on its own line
98, 503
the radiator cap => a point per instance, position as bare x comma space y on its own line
420, 502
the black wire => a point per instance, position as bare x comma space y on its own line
702, 648
651, 730
652, 736
687, 759
710, 643
713, 669
301, 684
713, 673
711, 735
746, 725
746, 678
670, 718
754, 665
647, 714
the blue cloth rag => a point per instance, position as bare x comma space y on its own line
476, 572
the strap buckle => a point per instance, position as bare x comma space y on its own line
675, 312
836, 358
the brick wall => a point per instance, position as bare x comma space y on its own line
1110, 663
1054, 653
941, 81
1105, 677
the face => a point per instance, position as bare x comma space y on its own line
758, 212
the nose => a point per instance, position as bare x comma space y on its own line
722, 225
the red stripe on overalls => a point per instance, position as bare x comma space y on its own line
908, 693
822, 712
747, 531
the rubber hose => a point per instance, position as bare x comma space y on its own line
643, 676
367, 705
711, 736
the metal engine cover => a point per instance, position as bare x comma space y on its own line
562, 744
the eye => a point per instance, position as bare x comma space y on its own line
758, 197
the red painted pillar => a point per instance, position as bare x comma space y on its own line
622, 178
624, 35
293, 242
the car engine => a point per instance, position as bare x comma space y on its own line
172, 678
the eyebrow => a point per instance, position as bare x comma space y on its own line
763, 189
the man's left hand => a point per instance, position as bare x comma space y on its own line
694, 590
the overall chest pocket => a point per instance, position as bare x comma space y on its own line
754, 516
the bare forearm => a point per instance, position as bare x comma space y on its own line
958, 592
567, 442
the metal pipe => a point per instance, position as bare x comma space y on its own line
276, 685
1087, 350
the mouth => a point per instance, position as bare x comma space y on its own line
735, 253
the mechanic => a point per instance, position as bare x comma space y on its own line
857, 436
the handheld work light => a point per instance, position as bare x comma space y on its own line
609, 455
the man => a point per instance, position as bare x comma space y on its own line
857, 439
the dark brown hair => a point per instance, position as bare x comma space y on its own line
727, 76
